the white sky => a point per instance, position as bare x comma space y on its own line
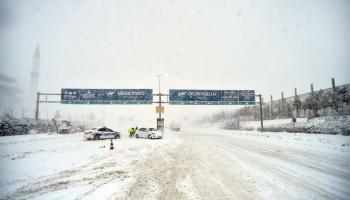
268, 46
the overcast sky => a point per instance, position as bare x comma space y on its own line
268, 46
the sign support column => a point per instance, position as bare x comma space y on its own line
160, 97
37, 106
261, 115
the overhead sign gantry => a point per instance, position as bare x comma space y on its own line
106, 96
211, 97
145, 96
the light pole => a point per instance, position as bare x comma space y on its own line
159, 96
160, 121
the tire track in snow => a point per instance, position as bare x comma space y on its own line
99, 171
189, 171
270, 163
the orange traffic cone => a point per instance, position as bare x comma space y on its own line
111, 147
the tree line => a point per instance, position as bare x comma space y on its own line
315, 104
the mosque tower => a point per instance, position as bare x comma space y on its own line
34, 79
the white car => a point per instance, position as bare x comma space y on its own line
150, 133
101, 133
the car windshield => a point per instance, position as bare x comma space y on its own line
152, 129
104, 129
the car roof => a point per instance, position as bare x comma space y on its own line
99, 127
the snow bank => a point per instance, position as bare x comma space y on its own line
319, 143
323, 125
256, 124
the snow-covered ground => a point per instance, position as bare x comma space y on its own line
195, 163
325, 125
44, 166
275, 122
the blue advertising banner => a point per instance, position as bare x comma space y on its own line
211, 97
106, 96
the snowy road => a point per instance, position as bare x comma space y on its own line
239, 166
192, 164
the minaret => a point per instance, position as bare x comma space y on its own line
34, 79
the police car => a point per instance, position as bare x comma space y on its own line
101, 133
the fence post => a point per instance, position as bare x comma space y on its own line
271, 106
312, 88
295, 101
333, 84
282, 113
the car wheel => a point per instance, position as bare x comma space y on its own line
96, 137
137, 136
149, 137
117, 136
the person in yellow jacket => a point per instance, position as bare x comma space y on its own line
132, 132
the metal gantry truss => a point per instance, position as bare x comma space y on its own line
159, 102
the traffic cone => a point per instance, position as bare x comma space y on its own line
111, 147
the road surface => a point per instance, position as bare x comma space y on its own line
192, 164
229, 166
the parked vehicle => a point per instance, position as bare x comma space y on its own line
150, 133
101, 133
64, 130
174, 127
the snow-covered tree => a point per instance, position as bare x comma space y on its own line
313, 102
343, 95
297, 104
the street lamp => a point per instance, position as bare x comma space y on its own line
160, 121
159, 76
159, 95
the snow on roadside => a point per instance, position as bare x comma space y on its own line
324, 125
52, 166
315, 142
256, 124
282, 165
